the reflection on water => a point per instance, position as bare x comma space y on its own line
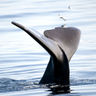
23, 61
9, 85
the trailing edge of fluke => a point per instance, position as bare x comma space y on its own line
61, 43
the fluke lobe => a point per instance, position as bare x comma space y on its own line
61, 43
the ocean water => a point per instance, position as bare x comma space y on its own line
23, 60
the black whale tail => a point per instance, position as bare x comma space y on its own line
61, 44
57, 72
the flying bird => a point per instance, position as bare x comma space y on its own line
61, 43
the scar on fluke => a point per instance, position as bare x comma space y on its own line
61, 43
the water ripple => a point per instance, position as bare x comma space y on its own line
9, 85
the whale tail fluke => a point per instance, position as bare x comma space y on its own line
45, 42
52, 40
66, 38
61, 44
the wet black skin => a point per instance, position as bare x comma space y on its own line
57, 73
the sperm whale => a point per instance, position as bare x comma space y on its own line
61, 43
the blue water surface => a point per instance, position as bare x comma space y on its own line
23, 60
